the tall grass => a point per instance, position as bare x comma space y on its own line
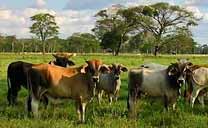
150, 111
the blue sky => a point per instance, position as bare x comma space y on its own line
78, 15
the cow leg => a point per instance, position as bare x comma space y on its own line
45, 101
100, 93
131, 103
9, 96
110, 98
194, 95
174, 106
34, 106
83, 107
116, 96
174, 102
166, 102
12, 94
35, 98
78, 108
201, 100
28, 104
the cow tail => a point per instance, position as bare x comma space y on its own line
29, 98
128, 106
8, 81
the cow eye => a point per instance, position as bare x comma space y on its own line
174, 71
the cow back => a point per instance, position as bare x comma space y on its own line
61, 81
17, 73
200, 76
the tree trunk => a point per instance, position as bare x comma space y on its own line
43, 47
119, 46
156, 50
12, 46
23, 47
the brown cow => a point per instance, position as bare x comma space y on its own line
77, 83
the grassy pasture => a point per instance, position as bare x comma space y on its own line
150, 111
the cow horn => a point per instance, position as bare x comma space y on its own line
113, 65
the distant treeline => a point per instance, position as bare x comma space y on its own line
87, 43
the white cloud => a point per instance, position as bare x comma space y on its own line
195, 10
206, 17
17, 22
196, 2
39, 4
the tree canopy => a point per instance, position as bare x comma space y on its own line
159, 20
44, 27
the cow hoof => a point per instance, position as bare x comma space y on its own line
81, 122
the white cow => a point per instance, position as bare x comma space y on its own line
110, 82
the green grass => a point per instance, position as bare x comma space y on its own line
150, 114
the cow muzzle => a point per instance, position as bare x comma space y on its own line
117, 77
181, 81
95, 79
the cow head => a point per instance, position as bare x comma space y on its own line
116, 69
175, 73
189, 69
93, 69
63, 61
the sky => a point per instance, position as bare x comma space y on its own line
78, 15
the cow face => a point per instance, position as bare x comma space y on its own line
94, 68
188, 69
116, 69
63, 61
175, 71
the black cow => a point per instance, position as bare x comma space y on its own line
62, 61
16, 77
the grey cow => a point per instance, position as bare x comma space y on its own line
110, 82
154, 83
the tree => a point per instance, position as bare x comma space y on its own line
113, 28
82, 42
44, 27
162, 19
180, 42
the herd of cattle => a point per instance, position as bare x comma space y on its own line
62, 79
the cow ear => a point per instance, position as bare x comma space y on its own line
110, 67
170, 73
189, 64
104, 69
70, 63
84, 69
55, 56
124, 69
